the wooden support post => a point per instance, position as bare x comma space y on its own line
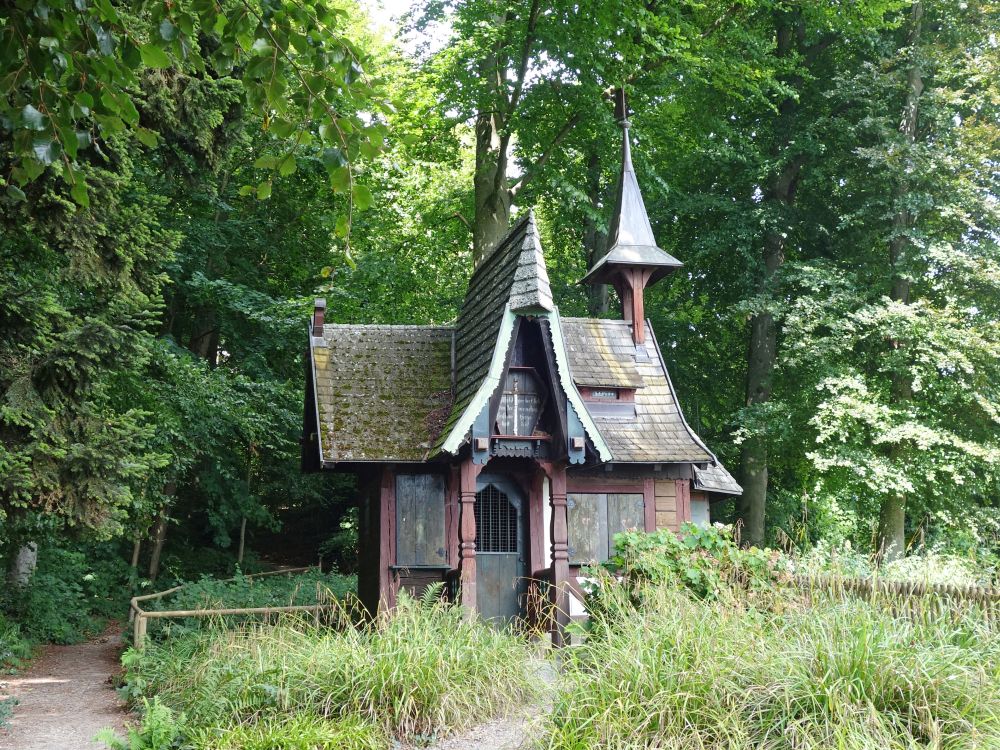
387, 537
467, 535
630, 285
559, 531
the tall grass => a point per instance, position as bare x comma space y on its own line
421, 671
682, 673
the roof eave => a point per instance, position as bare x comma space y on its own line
604, 270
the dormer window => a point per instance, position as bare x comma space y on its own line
609, 401
521, 403
604, 394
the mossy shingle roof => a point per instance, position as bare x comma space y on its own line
715, 478
388, 393
382, 392
603, 353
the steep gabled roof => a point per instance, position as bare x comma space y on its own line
382, 392
658, 433
513, 274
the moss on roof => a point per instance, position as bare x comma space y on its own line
382, 392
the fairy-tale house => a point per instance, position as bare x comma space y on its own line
509, 448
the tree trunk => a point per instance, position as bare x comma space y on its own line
763, 350
892, 515
22, 565
491, 186
243, 537
204, 340
136, 549
159, 538
594, 240
160, 530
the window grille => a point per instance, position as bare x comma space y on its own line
496, 521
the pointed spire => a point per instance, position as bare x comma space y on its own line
630, 236
530, 290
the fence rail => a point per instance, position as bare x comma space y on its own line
140, 617
911, 597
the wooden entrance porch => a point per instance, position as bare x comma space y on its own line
418, 526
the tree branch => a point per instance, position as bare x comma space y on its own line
539, 163
522, 70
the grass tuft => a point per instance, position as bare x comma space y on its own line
420, 671
683, 673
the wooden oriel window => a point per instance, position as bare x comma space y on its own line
521, 403
420, 525
594, 519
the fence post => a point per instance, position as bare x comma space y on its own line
140, 631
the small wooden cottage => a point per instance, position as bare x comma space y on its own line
508, 449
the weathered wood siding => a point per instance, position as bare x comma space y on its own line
665, 492
700, 513
420, 520
673, 503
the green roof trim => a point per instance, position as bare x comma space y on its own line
461, 425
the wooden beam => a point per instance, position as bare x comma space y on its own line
649, 503
387, 537
683, 501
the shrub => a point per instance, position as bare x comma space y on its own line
241, 591
683, 672
421, 670
70, 595
923, 565
14, 647
159, 730
705, 561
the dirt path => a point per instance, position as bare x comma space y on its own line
65, 698
514, 732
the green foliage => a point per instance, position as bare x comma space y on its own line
71, 74
6, 710
294, 732
309, 587
159, 730
695, 673
421, 670
15, 648
929, 566
78, 289
703, 560
71, 595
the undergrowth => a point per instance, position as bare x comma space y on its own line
241, 591
71, 596
736, 672
422, 671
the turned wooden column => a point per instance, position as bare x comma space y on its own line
467, 535
559, 533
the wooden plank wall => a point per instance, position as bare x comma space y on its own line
665, 492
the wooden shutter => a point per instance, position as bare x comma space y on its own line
626, 512
420, 503
587, 528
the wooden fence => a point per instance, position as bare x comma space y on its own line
911, 598
140, 617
